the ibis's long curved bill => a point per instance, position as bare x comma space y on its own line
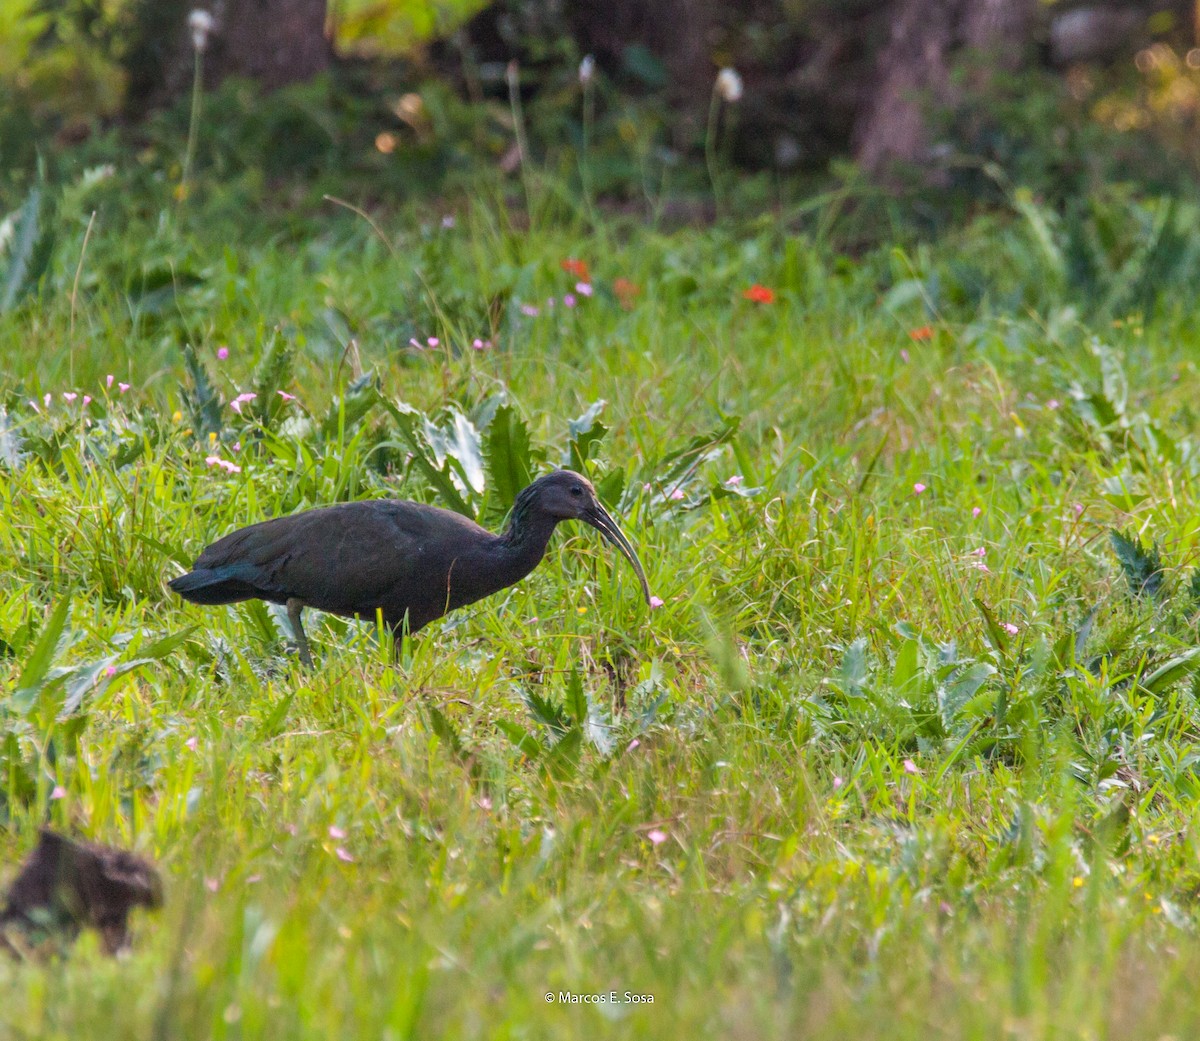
597, 516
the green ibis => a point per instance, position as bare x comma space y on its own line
409, 561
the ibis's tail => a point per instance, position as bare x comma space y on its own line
214, 586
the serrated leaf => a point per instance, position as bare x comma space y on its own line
547, 713
577, 702
200, 398
1142, 567
272, 374
445, 730
563, 759
509, 460
269, 727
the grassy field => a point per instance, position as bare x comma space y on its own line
907, 751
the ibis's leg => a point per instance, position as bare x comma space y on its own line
294, 607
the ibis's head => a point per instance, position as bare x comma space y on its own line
566, 495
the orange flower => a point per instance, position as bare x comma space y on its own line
626, 292
923, 333
578, 268
760, 294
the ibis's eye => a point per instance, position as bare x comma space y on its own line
577, 491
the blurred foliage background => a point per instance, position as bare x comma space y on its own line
920, 112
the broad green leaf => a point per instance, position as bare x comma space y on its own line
577, 701
584, 436
37, 666
30, 247
528, 745
952, 696
1171, 672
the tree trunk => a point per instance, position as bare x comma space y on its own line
913, 69
274, 42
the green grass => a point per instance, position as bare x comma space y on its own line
845, 782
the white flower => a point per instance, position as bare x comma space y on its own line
587, 70
729, 85
201, 23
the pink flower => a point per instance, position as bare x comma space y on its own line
980, 552
86, 400
976, 511
979, 565
433, 341
343, 855
903, 354
448, 221
837, 783
632, 745
529, 311
237, 403
69, 396
734, 481
1052, 404
656, 601
910, 767
111, 671
285, 395
335, 832
225, 464
676, 494
918, 488
481, 345
108, 381
212, 884
1011, 629
568, 300
46, 400
191, 743
413, 342
222, 353
122, 387
646, 487
583, 288
59, 793
237, 446
1078, 508
34, 405
656, 837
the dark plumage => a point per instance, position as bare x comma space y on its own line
405, 559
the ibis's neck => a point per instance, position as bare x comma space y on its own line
523, 543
